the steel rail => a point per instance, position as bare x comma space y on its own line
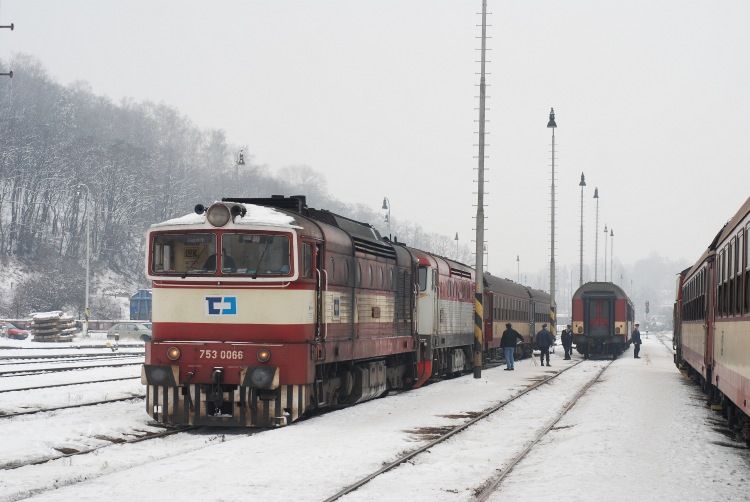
42, 371
76, 347
72, 356
11, 465
57, 408
490, 488
74, 359
455, 430
68, 384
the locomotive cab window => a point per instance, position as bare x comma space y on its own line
256, 254
422, 272
306, 260
183, 254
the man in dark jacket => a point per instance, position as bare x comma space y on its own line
636, 339
508, 343
567, 340
543, 342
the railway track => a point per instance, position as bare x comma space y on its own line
85, 451
493, 484
100, 460
453, 431
106, 357
68, 407
41, 371
23, 389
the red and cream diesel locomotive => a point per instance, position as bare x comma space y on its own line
264, 309
712, 320
602, 319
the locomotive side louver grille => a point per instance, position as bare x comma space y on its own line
373, 248
460, 273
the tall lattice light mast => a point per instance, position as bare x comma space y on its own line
479, 269
596, 237
580, 270
551, 124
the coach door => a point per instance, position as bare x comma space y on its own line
600, 319
427, 300
709, 315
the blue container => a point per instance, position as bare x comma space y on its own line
140, 305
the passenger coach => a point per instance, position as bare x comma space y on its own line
712, 320
602, 319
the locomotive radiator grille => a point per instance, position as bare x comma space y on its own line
192, 405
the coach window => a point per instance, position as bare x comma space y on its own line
732, 275
720, 287
741, 244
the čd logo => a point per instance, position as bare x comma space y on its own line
221, 305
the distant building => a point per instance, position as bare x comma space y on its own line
140, 305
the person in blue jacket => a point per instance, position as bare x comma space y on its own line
543, 342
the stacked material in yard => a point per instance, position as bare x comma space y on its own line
52, 327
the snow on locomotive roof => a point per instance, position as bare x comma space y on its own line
255, 215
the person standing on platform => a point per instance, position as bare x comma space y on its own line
636, 339
543, 342
508, 343
567, 340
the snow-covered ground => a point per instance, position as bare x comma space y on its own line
641, 433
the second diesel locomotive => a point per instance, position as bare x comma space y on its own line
602, 319
264, 309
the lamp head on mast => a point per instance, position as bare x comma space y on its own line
583, 181
596, 192
551, 124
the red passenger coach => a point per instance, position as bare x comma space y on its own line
712, 320
602, 319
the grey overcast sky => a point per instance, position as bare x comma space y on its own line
652, 102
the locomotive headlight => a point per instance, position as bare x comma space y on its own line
264, 355
173, 353
617, 330
218, 215
580, 329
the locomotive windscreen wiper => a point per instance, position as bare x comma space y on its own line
267, 240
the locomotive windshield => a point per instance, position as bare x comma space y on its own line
242, 254
256, 254
183, 253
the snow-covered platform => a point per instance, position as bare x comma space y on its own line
641, 433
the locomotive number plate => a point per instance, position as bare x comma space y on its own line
221, 354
